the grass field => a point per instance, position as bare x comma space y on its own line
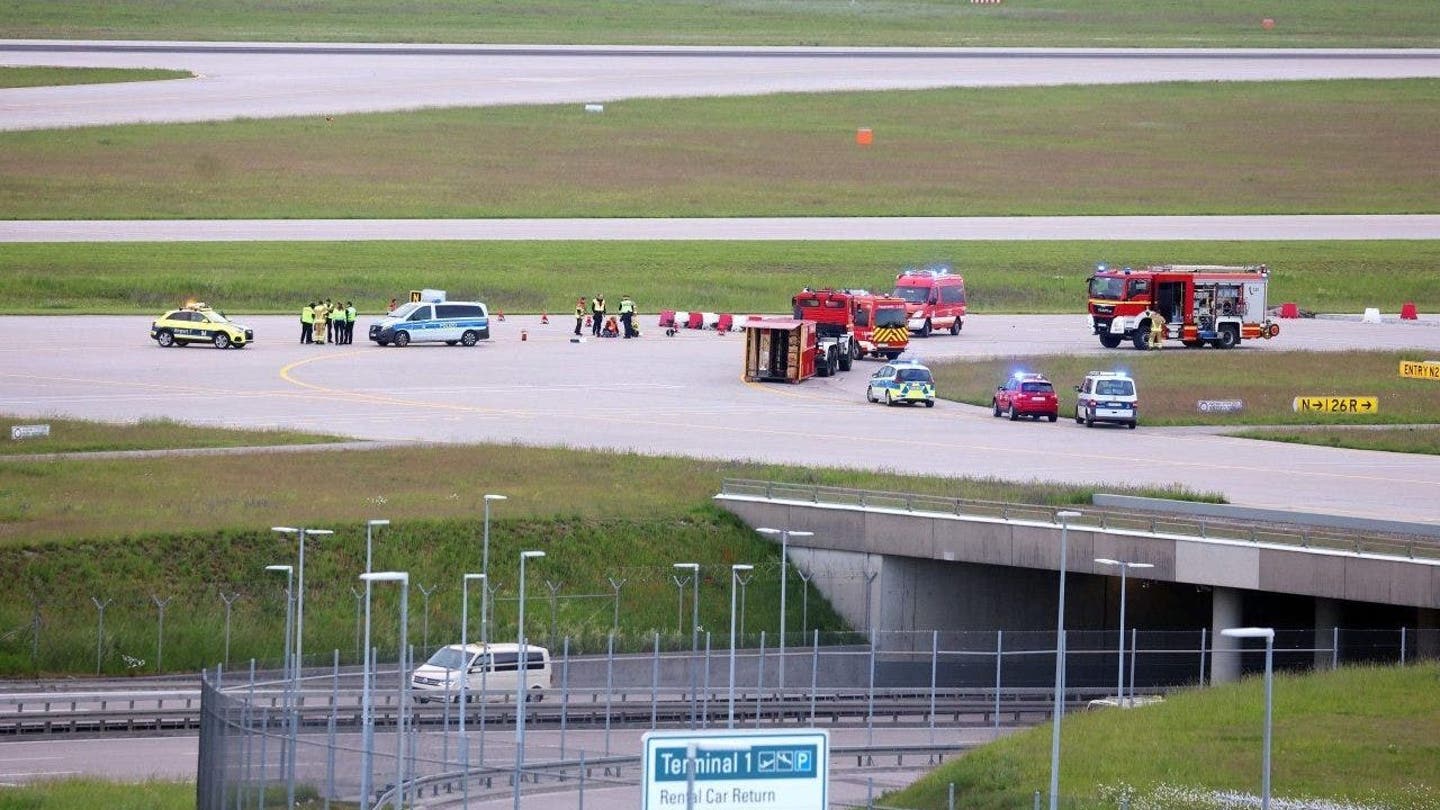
1171, 382
1180, 148
79, 436
1022, 277
55, 76
1379, 751
1177, 23
1395, 440
75, 794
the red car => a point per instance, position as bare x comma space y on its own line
1025, 394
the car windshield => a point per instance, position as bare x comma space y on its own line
1109, 288
914, 295
914, 375
1114, 388
890, 316
404, 310
447, 658
1037, 388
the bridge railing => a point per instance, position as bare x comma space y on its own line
1107, 519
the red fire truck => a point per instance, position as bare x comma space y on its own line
934, 297
1200, 304
875, 324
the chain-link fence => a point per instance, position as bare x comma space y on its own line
272, 740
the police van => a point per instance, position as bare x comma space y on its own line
491, 672
431, 318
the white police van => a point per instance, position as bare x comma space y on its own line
434, 319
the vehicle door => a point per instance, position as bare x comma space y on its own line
952, 300
189, 326
1005, 394
448, 318
421, 323
883, 380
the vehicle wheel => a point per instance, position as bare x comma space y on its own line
165, 339
1110, 341
469, 339
1014, 415
1132, 425
222, 340
869, 394
1078, 420
847, 359
451, 342
1229, 337
1089, 420
383, 342
402, 339
889, 400
925, 330
955, 327
929, 403
1052, 417
994, 408
832, 362
855, 353
1142, 338
1194, 344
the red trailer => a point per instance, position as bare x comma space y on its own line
779, 350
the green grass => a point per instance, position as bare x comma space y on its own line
1397, 23
1172, 381
80, 436
1362, 735
74, 794
1177, 148
15, 76
1394, 440
1026, 277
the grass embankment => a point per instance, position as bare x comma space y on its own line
1023, 277
1362, 736
1177, 23
1349, 147
1394, 440
14, 76
71, 531
72, 794
1172, 382
80, 436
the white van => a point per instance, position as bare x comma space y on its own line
462, 322
494, 673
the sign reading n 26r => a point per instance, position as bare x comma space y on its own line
1337, 404
753, 770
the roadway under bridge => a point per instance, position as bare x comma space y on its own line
926, 563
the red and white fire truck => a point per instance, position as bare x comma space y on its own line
874, 324
1199, 304
934, 299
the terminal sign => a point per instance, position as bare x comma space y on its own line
751, 770
1428, 370
1337, 404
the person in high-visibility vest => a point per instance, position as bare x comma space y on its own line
597, 313
321, 322
579, 314
1157, 330
307, 322
349, 322
627, 316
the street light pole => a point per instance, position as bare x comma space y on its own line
465, 658
1125, 567
403, 693
734, 576
485, 569
520, 689
694, 569
1058, 711
1267, 633
367, 719
289, 672
785, 535
297, 661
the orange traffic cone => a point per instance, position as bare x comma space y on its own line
500, 313
588, 322
544, 316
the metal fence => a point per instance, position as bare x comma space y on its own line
268, 740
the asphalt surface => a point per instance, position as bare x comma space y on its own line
270, 80
684, 396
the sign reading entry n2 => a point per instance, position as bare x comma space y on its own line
1337, 404
756, 770
1426, 370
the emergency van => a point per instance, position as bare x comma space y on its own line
934, 299
434, 319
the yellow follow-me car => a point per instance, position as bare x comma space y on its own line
198, 323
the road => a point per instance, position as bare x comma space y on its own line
683, 396
270, 80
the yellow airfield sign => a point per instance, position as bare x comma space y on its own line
1418, 370
1333, 404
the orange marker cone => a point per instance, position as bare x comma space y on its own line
544, 316
500, 313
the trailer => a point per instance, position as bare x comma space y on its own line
779, 350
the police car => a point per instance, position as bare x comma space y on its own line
198, 323
1107, 396
902, 381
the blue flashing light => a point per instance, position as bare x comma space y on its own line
1101, 267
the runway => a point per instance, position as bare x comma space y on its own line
264, 80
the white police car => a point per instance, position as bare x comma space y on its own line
1107, 396
900, 381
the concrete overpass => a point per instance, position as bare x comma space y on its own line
948, 564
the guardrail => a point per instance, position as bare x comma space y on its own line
1106, 519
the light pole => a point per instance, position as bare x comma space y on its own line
694, 569
734, 578
520, 689
289, 673
485, 569
1125, 567
465, 660
297, 661
1267, 633
289, 609
367, 720
403, 693
785, 535
1058, 711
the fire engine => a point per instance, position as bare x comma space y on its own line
872, 324
1200, 304
934, 299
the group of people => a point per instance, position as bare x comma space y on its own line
326, 322
602, 326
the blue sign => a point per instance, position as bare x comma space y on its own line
755, 770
